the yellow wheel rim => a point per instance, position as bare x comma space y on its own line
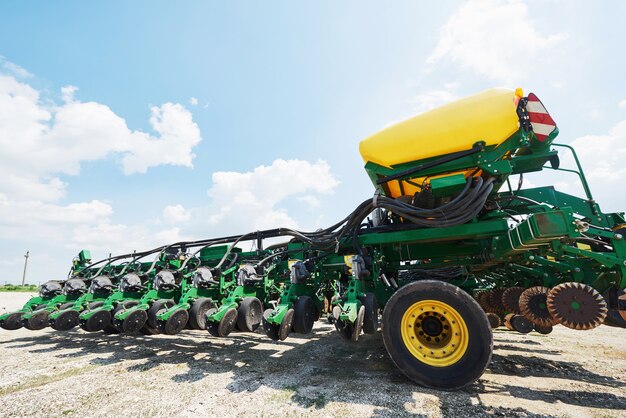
435, 333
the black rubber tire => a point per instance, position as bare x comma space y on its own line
225, 326
344, 329
197, 313
543, 330
271, 329
351, 331
358, 324
135, 321
211, 326
521, 324
335, 312
466, 369
37, 321
285, 325
95, 324
13, 321
494, 320
370, 319
175, 323
66, 321
156, 306
148, 330
304, 313
249, 314
613, 317
116, 326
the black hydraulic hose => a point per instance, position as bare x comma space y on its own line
426, 166
466, 205
233, 261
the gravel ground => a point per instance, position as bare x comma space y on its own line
47, 373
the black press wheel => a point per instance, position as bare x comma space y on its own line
116, 326
66, 320
285, 325
613, 317
225, 326
156, 308
249, 314
13, 322
97, 321
135, 321
521, 324
175, 323
271, 329
543, 330
278, 332
148, 330
351, 331
370, 319
198, 311
304, 313
437, 335
494, 320
38, 320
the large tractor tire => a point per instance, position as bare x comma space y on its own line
437, 335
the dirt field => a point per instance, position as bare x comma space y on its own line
46, 373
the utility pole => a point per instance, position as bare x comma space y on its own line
25, 265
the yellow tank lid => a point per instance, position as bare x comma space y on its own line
489, 116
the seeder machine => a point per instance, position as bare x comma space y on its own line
445, 250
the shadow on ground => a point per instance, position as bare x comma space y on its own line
319, 368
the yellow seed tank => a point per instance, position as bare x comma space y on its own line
489, 116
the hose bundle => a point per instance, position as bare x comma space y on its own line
461, 209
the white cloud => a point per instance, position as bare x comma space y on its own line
43, 140
178, 134
622, 104
250, 201
595, 113
67, 93
602, 158
175, 214
119, 238
434, 98
193, 101
40, 140
493, 38
309, 200
13, 68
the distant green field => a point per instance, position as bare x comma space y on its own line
18, 288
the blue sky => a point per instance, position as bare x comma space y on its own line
257, 109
